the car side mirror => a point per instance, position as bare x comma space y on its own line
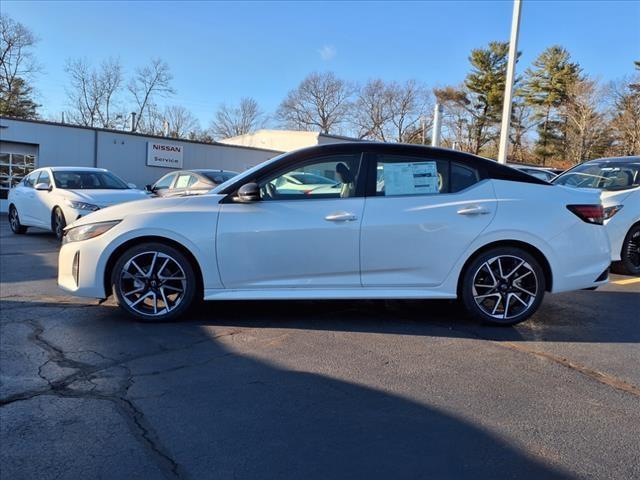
249, 192
148, 188
132, 185
43, 187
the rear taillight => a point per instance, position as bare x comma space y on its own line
588, 213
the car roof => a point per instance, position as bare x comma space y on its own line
630, 159
209, 170
490, 168
77, 169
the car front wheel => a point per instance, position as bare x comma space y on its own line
14, 222
503, 286
154, 282
58, 223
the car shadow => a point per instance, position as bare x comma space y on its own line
218, 413
584, 316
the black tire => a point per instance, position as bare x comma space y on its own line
160, 284
14, 222
629, 263
485, 291
58, 222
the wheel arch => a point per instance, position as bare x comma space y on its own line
532, 250
113, 258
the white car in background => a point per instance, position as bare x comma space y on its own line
618, 180
443, 224
50, 198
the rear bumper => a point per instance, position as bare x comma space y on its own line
583, 256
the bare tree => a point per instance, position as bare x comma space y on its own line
625, 107
17, 67
372, 111
148, 83
457, 119
389, 111
231, 121
182, 123
92, 93
410, 106
586, 125
320, 102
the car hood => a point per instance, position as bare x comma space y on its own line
104, 198
150, 205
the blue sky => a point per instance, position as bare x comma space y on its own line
222, 51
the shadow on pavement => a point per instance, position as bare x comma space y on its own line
219, 414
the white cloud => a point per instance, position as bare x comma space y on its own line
327, 52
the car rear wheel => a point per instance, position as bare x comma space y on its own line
630, 256
14, 221
503, 286
154, 282
58, 223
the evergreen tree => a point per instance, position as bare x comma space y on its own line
16, 100
546, 89
485, 89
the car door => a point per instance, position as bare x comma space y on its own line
422, 215
24, 199
41, 203
181, 184
292, 238
162, 187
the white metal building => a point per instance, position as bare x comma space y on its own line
284, 140
137, 158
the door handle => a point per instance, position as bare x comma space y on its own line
340, 217
473, 210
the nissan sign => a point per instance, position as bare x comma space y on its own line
164, 155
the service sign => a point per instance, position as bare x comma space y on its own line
164, 155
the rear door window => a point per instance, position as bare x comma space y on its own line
462, 177
402, 175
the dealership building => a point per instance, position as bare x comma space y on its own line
136, 158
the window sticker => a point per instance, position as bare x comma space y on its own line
413, 178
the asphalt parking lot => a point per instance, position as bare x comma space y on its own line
304, 390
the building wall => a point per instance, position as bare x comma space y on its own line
123, 153
284, 140
126, 156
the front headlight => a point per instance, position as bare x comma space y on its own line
82, 205
85, 232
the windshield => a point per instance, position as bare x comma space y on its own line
219, 177
247, 173
88, 180
607, 176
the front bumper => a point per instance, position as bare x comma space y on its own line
87, 279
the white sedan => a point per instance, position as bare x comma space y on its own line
50, 198
618, 180
442, 224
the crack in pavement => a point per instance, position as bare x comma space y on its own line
86, 374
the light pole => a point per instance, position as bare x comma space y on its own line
508, 87
437, 125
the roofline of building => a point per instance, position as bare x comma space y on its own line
136, 134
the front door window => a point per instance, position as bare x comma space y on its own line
333, 176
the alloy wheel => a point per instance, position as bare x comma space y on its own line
633, 249
59, 225
505, 287
152, 283
13, 219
